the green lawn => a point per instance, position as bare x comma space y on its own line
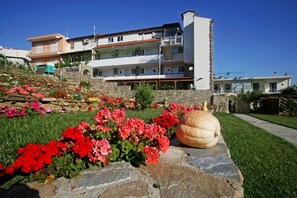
18, 132
289, 121
268, 163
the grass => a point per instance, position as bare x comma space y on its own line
268, 163
18, 132
288, 121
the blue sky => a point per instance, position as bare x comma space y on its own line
252, 38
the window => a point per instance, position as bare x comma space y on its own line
110, 40
149, 52
141, 71
176, 50
217, 88
115, 71
116, 53
273, 87
39, 48
53, 47
97, 72
120, 38
138, 52
71, 45
181, 69
133, 71
256, 86
227, 88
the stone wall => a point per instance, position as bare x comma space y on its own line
242, 106
230, 103
57, 105
185, 97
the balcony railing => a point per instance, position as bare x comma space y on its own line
133, 60
142, 77
172, 41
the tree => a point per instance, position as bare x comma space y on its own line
144, 95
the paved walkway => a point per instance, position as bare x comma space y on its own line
288, 134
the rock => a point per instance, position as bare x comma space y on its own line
68, 109
56, 108
173, 177
75, 108
49, 100
63, 103
131, 189
4, 84
20, 104
16, 98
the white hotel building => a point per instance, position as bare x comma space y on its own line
167, 56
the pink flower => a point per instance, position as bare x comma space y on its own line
103, 128
48, 110
83, 125
132, 126
103, 116
152, 154
38, 95
163, 143
152, 131
118, 115
100, 149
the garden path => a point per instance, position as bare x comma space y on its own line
286, 133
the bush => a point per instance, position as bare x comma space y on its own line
251, 97
290, 90
144, 96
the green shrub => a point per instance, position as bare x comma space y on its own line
144, 96
290, 90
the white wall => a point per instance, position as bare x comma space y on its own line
188, 22
202, 53
79, 46
15, 52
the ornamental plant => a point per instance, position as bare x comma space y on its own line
144, 96
28, 110
25, 90
112, 138
169, 117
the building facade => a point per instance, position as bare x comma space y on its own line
271, 84
16, 55
169, 56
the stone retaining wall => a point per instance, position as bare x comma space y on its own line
58, 105
185, 97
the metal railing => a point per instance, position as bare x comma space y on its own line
172, 40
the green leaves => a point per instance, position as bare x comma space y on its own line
66, 166
144, 96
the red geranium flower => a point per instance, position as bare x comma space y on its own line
152, 154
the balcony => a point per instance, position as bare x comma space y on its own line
172, 41
133, 60
44, 53
141, 77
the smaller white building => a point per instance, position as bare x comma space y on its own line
270, 84
16, 55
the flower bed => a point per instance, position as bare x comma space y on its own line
113, 138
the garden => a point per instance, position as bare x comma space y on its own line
37, 143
